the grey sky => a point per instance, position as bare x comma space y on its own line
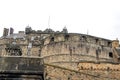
100, 17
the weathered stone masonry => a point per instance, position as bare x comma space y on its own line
66, 56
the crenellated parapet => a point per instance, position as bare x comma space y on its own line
28, 30
75, 46
66, 56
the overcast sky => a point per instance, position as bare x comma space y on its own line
100, 18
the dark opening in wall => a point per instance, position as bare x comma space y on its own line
108, 68
83, 38
97, 54
52, 39
87, 49
81, 67
70, 49
91, 68
109, 44
97, 40
119, 59
111, 54
67, 37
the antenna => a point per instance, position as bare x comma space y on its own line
49, 22
87, 31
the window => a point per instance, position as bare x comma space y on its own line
67, 37
110, 54
97, 40
109, 44
52, 39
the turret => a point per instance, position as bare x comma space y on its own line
65, 30
28, 30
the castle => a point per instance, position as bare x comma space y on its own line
61, 55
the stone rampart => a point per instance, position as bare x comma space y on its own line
83, 71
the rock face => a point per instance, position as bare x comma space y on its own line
65, 56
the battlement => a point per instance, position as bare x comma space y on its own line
69, 50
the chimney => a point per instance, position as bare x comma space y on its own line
5, 32
11, 30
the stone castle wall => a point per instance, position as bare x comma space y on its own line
69, 56
101, 71
75, 58
74, 50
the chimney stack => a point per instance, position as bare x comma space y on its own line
11, 30
5, 32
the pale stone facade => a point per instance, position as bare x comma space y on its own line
66, 56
